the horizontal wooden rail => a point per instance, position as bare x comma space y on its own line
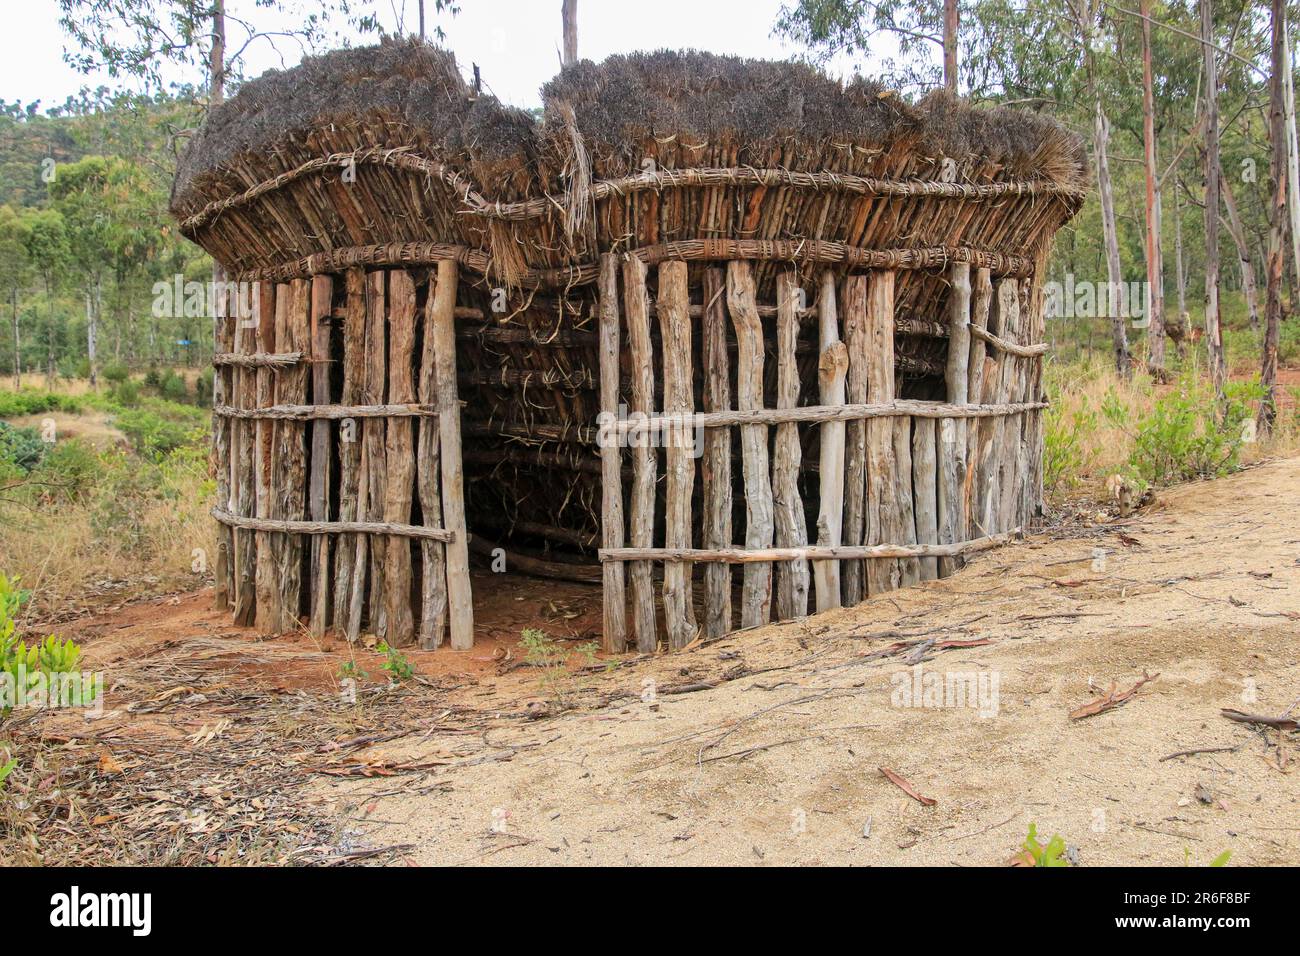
810, 553
333, 527
305, 412
821, 413
258, 359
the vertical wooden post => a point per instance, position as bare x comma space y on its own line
644, 462
291, 456
993, 453
1036, 332
791, 523
243, 446
675, 336
717, 455
322, 303
882, 509
399, 452
756, 592
951, 432
909, 568
924, 487
428, 459
853, 301
611, 476
832, 367
1015, 451
975, 390
354, 346
368, 566
272, 301
459, 593
223, 562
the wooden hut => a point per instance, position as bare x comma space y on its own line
708, 312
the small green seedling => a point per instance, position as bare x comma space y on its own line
395, 662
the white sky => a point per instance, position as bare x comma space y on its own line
514, 42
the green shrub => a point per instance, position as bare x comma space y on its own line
126, 394
33, 402
150, 435
69, 470
173, 387
1188, 434
21, 447
115, 373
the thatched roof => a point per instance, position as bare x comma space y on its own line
254, 185
792, 109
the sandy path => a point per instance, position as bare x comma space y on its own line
780, 766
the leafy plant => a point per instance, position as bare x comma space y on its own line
544, 652
50, 657
1051, 854
395, 662
349, 669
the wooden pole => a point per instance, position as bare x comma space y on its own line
951, 432
291, 456
243, 446
611, 478
569, 11
322, 301
428, 458
950, 21
882, 508
350, 442
372, 560
644, 460
267, 612
716, 464
975, 391
675, 340
459, 594
832, 367
854, 302
756, 591
791, 524
222, 386
399, 452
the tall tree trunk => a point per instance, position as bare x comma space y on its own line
1213, 335
1110, 234
18, 367
1180, 270
1292, 150
217, 55
49, 333
950, 46
1155, 264
570, 14
421, 19
1277, 168
1238, 234
92, 329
